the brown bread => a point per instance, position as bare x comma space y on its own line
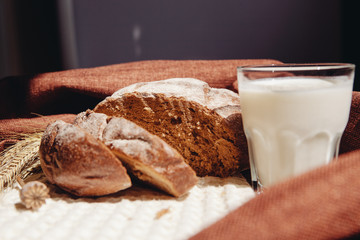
202, 123
77, 162
146, 156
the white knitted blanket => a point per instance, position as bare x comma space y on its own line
136, 213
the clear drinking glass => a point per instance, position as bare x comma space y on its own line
293, 117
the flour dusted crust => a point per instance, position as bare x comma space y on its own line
202, 123
146, 156
77, 162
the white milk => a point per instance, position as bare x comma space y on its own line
293, 125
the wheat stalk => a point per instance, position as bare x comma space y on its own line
19, 159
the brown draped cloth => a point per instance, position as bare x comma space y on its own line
321, 204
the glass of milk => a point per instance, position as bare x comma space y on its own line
293, 117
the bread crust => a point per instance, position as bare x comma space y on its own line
146, 156
203, 124
77, 162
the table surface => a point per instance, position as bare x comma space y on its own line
135, 213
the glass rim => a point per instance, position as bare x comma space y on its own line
292, 67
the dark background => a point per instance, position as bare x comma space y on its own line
48, 35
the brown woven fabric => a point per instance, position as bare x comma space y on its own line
322, 204
351, 138
76, 90
29, 125
11, 129
57, 93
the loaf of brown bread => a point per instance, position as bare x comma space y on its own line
146, 156
77, 162
202, 123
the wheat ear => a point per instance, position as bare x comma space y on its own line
18, 159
